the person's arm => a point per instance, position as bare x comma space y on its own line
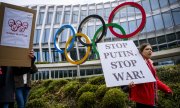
163, 87
33, 68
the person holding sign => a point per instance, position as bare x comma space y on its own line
23, 81
145, 94
8, 80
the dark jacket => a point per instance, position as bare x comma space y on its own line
7, 87
18, 78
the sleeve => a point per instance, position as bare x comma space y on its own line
33, 68
163, 87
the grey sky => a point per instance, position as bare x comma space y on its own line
59, 2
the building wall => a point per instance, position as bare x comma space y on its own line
162, 31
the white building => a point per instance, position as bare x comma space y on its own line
162, 31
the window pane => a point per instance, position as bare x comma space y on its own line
154, 48
152, 41
142, 41
123, 12
38, 35
83, 14
167, 19
149, 24
176, 16
132, 26
49, 18
53, 35
89, 72
172, 45
161, 39
41, 17
64, 35
146, 5
107, 13
92, 11
90, 32
130, 11
66, 17
46, 35
171, 37
154, 4
125, 26
158, 22
58, 17
75, 17
163, 47
100, 12
172, 1
163, 3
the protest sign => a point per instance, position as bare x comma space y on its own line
16, 35
122, 63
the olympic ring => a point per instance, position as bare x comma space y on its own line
100, 29
67, 55
103, 28
56, 38
141, 26
86, 20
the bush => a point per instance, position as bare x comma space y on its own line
37, 103
46, 83
70, 89
55, 85
97, 80
170, 101
86, 88
87, 100
169, 74
100, 92
114, 98
37, 93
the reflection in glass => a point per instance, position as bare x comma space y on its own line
83, 14
75, 17
146, 5
46, 35
171, 37
163, 3
176, 16
58, 17
161, 39
49, 18
154, 4
125, 26
158, 22
130, 11
167, 19
66, 17
106, 13
132, 26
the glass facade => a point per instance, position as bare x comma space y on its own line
162, 30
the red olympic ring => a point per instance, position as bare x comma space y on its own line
141, 26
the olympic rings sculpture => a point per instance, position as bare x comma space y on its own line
103, 29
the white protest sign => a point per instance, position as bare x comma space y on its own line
16, 30
122, 63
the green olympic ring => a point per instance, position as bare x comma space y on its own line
100, 29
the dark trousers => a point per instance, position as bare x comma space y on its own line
139, 105
7, 105
22, 94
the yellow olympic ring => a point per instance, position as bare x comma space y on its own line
88, 50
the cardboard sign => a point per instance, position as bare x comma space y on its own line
16, 35
122, 63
